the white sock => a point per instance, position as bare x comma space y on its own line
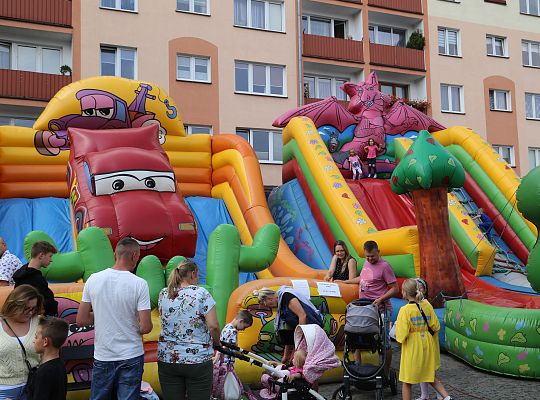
424, 390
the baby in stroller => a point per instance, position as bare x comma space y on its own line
271, 387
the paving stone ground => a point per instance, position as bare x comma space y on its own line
462, 381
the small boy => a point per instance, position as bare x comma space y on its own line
50, 380
229, 333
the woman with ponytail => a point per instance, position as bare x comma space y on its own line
189, 331
416, 327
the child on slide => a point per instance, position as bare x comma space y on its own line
355, 164
371, 150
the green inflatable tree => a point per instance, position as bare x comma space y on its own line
528, 202
426, 172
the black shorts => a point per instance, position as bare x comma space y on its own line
371, 162
285, 337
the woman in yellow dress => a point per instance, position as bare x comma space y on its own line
419, 358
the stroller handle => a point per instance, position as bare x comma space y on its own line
257, 363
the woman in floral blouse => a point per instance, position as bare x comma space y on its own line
189, 329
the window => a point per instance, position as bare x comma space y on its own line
319, 87
193, 6
196, 129
16, 121
448, 42
392, 89
534, 157
531, 7
262, 79
259, 14
324, 26
531, 53
117, 61
532, 106
452, 98
267, 144
506, 153
387, 35
5, 56
124, 5
496, 46
499, 100
192, 68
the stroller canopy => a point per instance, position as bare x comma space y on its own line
321, 352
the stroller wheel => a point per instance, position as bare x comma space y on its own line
341, 395
393, 381
379, 395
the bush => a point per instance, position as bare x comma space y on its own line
416, 41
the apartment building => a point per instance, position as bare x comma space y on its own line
485, 68
35, 42
346, 40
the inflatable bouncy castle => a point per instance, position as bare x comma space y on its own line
132, 171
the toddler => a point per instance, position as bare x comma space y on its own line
355, 164
270, 390
416, 328
229, 334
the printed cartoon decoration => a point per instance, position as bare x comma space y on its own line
121, 181
371, 110
504, 340
111, 103
427, 171
528, 202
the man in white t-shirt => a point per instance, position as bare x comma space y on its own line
117, 302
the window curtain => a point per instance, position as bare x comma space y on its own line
240, 12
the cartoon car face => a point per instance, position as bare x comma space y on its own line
131, 191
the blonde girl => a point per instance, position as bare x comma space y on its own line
415, 329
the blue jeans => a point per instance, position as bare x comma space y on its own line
13, 394
117, 379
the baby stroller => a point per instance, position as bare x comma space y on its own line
320, 358
365, 330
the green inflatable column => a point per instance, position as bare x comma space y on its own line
151, 270
227, 257
528, 202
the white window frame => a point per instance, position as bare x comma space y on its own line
527, 4
192, 68
334, 80
332, 24
535, 97
529, 44
461, 98
458, 36
271, 132
499, 150
267, 83
493, 93
117, 59
118, 6
493, 38
14, 56
535, 152
192, 8
266, 16
189, 128
376, 33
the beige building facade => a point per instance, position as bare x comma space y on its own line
485, 73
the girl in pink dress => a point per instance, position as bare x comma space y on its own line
371, 150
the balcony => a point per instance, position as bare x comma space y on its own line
46, 12
393, 56
412, 6
332, 48
309, 100
30, 85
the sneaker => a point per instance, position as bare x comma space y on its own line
375, 175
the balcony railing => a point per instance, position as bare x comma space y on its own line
393, 56
412, 6
30, 85
332, 48
47, 12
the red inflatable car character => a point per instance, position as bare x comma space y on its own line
121, 181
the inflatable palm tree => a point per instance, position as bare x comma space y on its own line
427, 171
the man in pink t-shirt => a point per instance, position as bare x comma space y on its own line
378, 283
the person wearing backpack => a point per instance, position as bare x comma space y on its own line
293, 309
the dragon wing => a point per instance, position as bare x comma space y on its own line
325, 112
402, 118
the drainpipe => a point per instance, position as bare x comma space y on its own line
300, 45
